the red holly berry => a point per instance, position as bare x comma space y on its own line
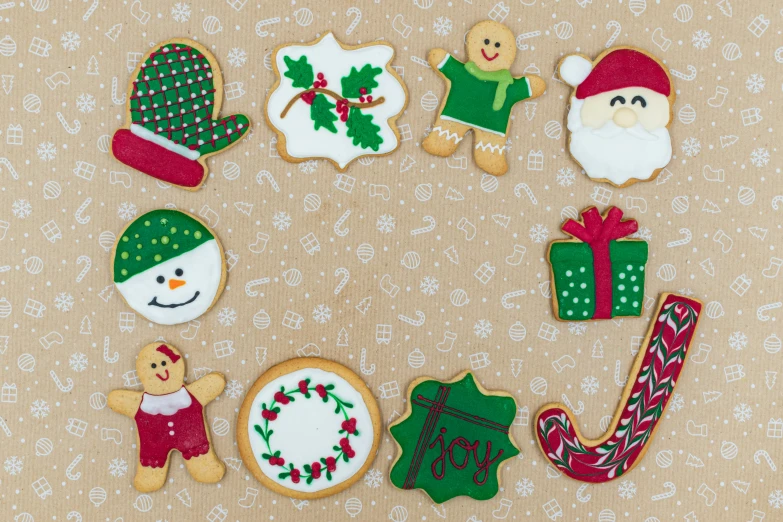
344, 442
361, 99
295, 475
308, 97
269, 415
303, 386
362, 90
350, 452
331, 464
320, 390
282, 398
344, 117
316, 470
324, 83
349, 426
320, 76
369, 99
276, 461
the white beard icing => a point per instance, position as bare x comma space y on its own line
202, 271
614, 153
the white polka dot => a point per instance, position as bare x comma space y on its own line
635, 288
641, 268
623, 299
171, 424
569, 273
584, 313
621, 276
621, 287
587, 299
633, 278
171, 433
583, 286
576, 299
582, 269
569, 312
635, 304
629, 267
571, 285
565, 293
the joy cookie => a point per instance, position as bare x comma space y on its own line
621, 110
599, 274
169, 417
172, 124
453, 438
480, 95
649, 387
308, 428
169, 266
336, 102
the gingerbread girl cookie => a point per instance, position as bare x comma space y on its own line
169, 416
480, 95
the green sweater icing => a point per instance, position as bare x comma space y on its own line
155, 238
473, 101
471, 430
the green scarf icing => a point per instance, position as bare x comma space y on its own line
502, 77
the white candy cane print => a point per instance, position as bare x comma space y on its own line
670, 488
109, 359
5, 428
617, 380
567, 402
580, 496
762, 454
413, 322
250, 287
344, 281
615, 25
761, 313
86, 16
682, 76
63, 388
687, 237
260, 26
69, 470
115, 98
363, 364
79, 215
777, 201
342, 232
523, 187
423, 230
357, 17
10, 168
70, 129
75, 515
511, 295
266, 175
87, 264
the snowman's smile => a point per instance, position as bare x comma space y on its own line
155, 302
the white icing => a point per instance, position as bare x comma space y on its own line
575, 69
614, 153
496, 149
148, 135
202, 271
445, 133
307, 429
167, 404
327, 57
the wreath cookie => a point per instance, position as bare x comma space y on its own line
308, 428
621, 110
453, 438
335, 102
172, 123
169, 266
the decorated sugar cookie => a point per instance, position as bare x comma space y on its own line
172, 123
649, 387
336, 102
169, 266
169, 417
308, 428
453, 439
621, 110
480, 95
599, 274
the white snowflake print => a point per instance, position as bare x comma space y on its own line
643, 233
577, 328
21, 208
46, 151
281, 221
565, 177
13, 465
524, 487
373, 478
39, 409
738, 341
180, 12
70, 41
118, 467
227, 316
234, 389
127, 211
589, 385
385, 224
64, 302
701, 39
442, 26
755, 83
759, 157
429, 285
322, 314
677, 402
539, 233
776, 499
742, 412
691, 147
237, 57
78, 362
85, 102
308, 167
626, 489
482, 329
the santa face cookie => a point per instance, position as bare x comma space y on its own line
334, 101
620, 112
169, 417
169, 267
308, 428
172, 122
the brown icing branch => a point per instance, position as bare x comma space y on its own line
334, 95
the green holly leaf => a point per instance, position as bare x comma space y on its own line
358, 79
300, 71
362, 129
323, 116
266, 456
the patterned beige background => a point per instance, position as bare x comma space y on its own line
66, 456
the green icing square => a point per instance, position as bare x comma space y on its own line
628, 268
574, 282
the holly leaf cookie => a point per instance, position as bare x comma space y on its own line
172, 123
453, 438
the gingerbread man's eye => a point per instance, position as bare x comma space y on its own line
486, 41
497, 44
154, 366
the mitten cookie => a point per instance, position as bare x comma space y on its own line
172, 123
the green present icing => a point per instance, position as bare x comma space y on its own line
628, 260
572, 265
156, 237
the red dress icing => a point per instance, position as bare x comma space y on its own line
183, 431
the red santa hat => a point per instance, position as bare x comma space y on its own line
617, 69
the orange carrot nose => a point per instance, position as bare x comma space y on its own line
175, 283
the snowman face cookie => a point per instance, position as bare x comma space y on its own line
491, 46
169, 267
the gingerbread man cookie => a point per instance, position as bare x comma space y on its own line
480, 95
169, 416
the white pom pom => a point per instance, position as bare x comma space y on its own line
574, 69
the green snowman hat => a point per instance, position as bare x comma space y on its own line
154, 238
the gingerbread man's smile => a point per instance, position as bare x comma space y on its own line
163, 378
484, 54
